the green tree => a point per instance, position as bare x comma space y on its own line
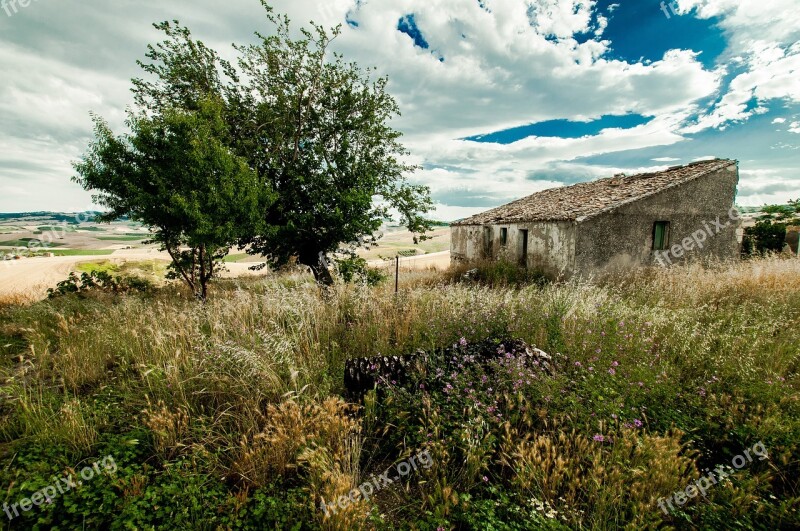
176, 173
313, 128
769, 232
317, 131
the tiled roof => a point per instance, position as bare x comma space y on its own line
585, 200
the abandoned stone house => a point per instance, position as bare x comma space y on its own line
621, 221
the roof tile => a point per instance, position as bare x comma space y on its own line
584, 200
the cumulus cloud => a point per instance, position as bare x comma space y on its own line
767, 186
763, 47
485, 66
750, 20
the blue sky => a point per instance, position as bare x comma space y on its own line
500, 98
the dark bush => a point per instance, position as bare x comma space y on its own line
764, 237
99, 281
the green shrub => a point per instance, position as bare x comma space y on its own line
355, 269
101, 281
764, 237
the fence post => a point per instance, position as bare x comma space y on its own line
397, 274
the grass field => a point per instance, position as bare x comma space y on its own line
401, 242
122, 238
82, 252
233, 258
26, 242
57, 229
92, 228
151, 270
230, 414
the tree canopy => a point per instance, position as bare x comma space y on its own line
176, 173
318, 132
769, 232
300, 150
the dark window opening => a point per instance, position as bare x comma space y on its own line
660, 235
503, 236
524, 247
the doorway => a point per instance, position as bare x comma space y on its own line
523, 239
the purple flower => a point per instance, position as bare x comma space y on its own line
637, 423
462, 342
615, 364
612, 372
599, 438
578, 364
485, 479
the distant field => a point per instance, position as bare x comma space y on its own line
233, 258
122, 238
153, 269
92, 229
82, 252
48, 228
401, 242
25, 242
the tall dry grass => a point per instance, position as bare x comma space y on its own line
259, 362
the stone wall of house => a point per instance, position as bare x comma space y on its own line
551, 245
624, 237
466, 243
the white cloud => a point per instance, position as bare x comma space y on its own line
794, 127
779, 121
763, 43
515, 63
766, 186
512, 67
750, 20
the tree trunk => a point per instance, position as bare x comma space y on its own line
322, 274
319, 267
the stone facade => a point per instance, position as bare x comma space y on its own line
696, 209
